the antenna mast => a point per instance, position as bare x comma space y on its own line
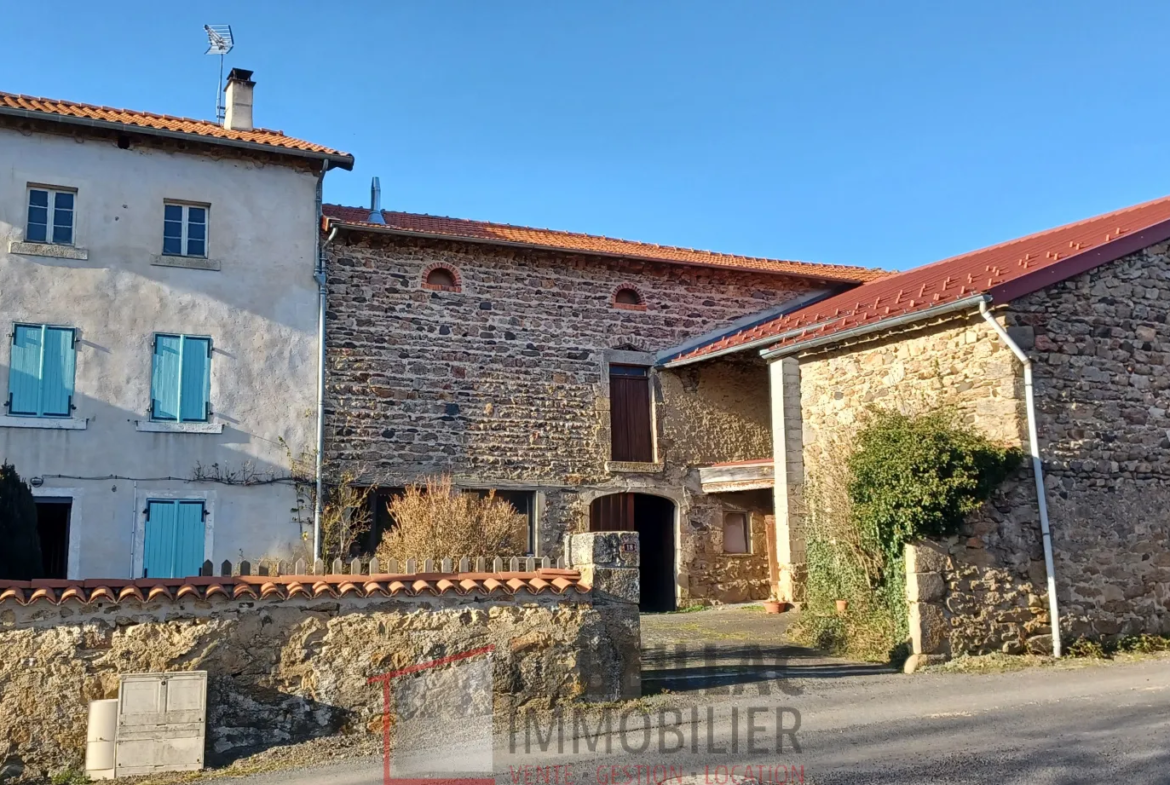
220, 42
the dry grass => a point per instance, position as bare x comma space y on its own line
437, 521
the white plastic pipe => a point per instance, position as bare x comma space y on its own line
1037, 472
99, 739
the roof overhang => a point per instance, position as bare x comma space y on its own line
458, 238
332, 160
865, 330
746, 323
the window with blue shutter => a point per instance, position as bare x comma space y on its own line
173, 543
180, 381
40, 371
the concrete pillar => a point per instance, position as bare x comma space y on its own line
609, 563
788, 457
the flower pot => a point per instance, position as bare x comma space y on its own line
842, 606
773, 606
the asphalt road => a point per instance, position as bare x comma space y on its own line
1091, 724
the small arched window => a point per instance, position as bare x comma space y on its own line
442, 279
630, 298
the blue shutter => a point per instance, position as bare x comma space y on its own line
164, 381
188, 539
173, 546
24, 375
196, 379
57, 372
159, 546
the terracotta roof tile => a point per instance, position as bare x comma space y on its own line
506, 234
287, 587
205, 129
1004, 272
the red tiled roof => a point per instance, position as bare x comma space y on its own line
1003, 272
505, 234
287, 587
52, 109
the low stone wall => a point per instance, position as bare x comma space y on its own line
289, 660
959, 604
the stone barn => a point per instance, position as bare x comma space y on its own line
1057, 342
527, 361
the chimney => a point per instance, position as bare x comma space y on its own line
375, 203
238, 115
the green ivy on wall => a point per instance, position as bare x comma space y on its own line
901, 478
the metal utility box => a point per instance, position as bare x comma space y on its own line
162, 723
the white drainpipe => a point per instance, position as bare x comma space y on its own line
1037, 472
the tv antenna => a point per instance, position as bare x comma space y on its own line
220, 42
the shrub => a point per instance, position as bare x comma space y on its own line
901, 478
437, 521
20, 556
918, 477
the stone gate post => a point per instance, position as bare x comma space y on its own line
609, 563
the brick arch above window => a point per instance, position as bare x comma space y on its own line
628, 297
441, 278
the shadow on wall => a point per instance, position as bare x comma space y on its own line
135, 454
293, 309
246, 720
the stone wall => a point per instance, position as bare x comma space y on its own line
994, 574
504, 383
505, 380
716, 412
1100, 344
285, 665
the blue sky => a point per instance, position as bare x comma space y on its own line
887, 134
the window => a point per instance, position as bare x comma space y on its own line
736, 533
380, 520
441, 278
173, 542
40, 373
629, 413
524, 503
628, 297
50, 216
180, 382
184, 230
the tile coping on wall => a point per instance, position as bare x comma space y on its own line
288, 587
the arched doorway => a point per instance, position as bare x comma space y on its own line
652, 517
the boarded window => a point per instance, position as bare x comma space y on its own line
629, 413
736, 535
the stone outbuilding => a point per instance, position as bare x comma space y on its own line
527, 361
1057, 342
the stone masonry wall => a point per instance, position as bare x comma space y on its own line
287, 670
1100, 344
994, 571
505, 380
716, 412
505, 383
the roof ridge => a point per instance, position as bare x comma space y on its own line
103, 107
1004, 271
817, 265
1039, 234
